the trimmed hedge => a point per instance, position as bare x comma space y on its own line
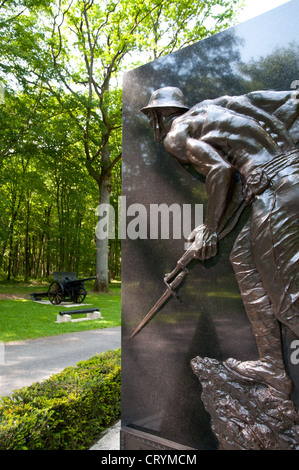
65, 412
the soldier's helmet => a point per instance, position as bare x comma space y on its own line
167, 97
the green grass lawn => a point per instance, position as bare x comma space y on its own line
22, 318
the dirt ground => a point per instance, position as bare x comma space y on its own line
13, 296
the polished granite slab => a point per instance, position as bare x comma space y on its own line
160, 394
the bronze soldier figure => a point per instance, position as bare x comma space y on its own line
255, 136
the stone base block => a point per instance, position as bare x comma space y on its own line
63, 318
93, 315
67, 318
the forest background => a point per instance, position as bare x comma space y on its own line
61, 73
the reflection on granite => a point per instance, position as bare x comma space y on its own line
161, 395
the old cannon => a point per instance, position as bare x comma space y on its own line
65, 286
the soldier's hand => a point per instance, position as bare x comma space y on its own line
205, 241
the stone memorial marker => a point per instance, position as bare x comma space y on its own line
214, 364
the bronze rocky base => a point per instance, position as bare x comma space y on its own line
246, 415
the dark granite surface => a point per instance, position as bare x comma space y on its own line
161, 395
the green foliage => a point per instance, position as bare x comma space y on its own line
48, 199
67, 411
60, 149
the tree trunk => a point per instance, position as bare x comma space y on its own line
27, 242
102, 273
11, 237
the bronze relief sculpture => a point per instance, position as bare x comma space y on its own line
254, 137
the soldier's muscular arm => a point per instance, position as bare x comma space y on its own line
220, 177
220, 180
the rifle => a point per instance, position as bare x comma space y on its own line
180, 272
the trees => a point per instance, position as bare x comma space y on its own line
47, 202
76, 55
103, 34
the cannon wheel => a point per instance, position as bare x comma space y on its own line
55, 293
80, 295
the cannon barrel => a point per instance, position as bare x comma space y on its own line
83, 310
78, 281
